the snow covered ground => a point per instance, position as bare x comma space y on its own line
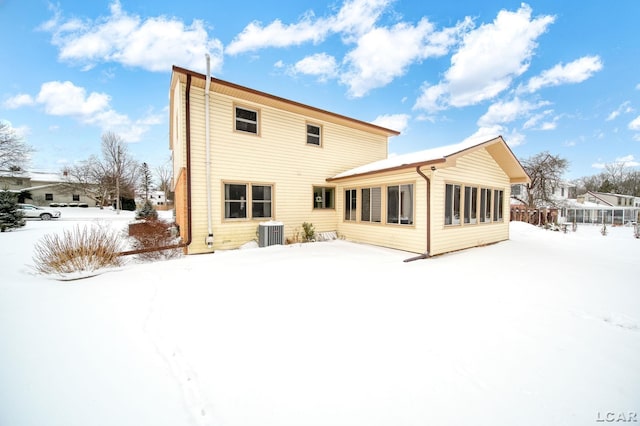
543, 329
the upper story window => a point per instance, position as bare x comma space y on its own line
314, 134
246, 120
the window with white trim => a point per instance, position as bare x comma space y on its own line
246, 120
323, 197
371, 204
400, 204
350, 204
314, 134
452, 204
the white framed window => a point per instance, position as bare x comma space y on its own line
246, 120
452, 204
371, 205
314, 134
323, 197
400, 204
350, 204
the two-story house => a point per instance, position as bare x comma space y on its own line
242, 157
602, 207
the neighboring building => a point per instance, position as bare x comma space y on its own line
157, 198
274, 160
601, 207
45, 188
553, 211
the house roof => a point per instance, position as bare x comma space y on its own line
445, 156
33, 175
256, 96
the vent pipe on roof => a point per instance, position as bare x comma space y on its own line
207, 85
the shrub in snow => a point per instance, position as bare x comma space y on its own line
79, 250
147, 211
152, 234
309, 231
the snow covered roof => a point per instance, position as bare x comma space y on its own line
33, 175
497, 147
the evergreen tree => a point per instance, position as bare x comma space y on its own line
147, 211
10, 216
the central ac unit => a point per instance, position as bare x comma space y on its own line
270, 233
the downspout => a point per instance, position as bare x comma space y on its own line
207, 85
425, 255
184, 244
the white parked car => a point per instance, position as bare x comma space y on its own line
44, 213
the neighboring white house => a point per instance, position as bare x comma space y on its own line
157, 198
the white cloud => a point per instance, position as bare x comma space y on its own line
380, 53
511, 137
383, 54
490, 57
574, 72
321, 65
154, 44
18, 101
399, 122
65, 99
635, 124
505, 112
626, 161
354, 17
624, 108
535, 119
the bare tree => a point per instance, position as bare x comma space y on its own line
545, 171
164, 174
121, 167
108, 178
14, 151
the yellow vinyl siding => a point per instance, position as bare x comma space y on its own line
279, 156
476, 169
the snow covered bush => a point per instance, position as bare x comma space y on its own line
78, 251
152, 234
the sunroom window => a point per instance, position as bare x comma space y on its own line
400, 204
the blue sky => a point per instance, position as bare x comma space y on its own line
557, 76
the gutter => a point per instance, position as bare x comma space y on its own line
425, 255
207, 85
186, 243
